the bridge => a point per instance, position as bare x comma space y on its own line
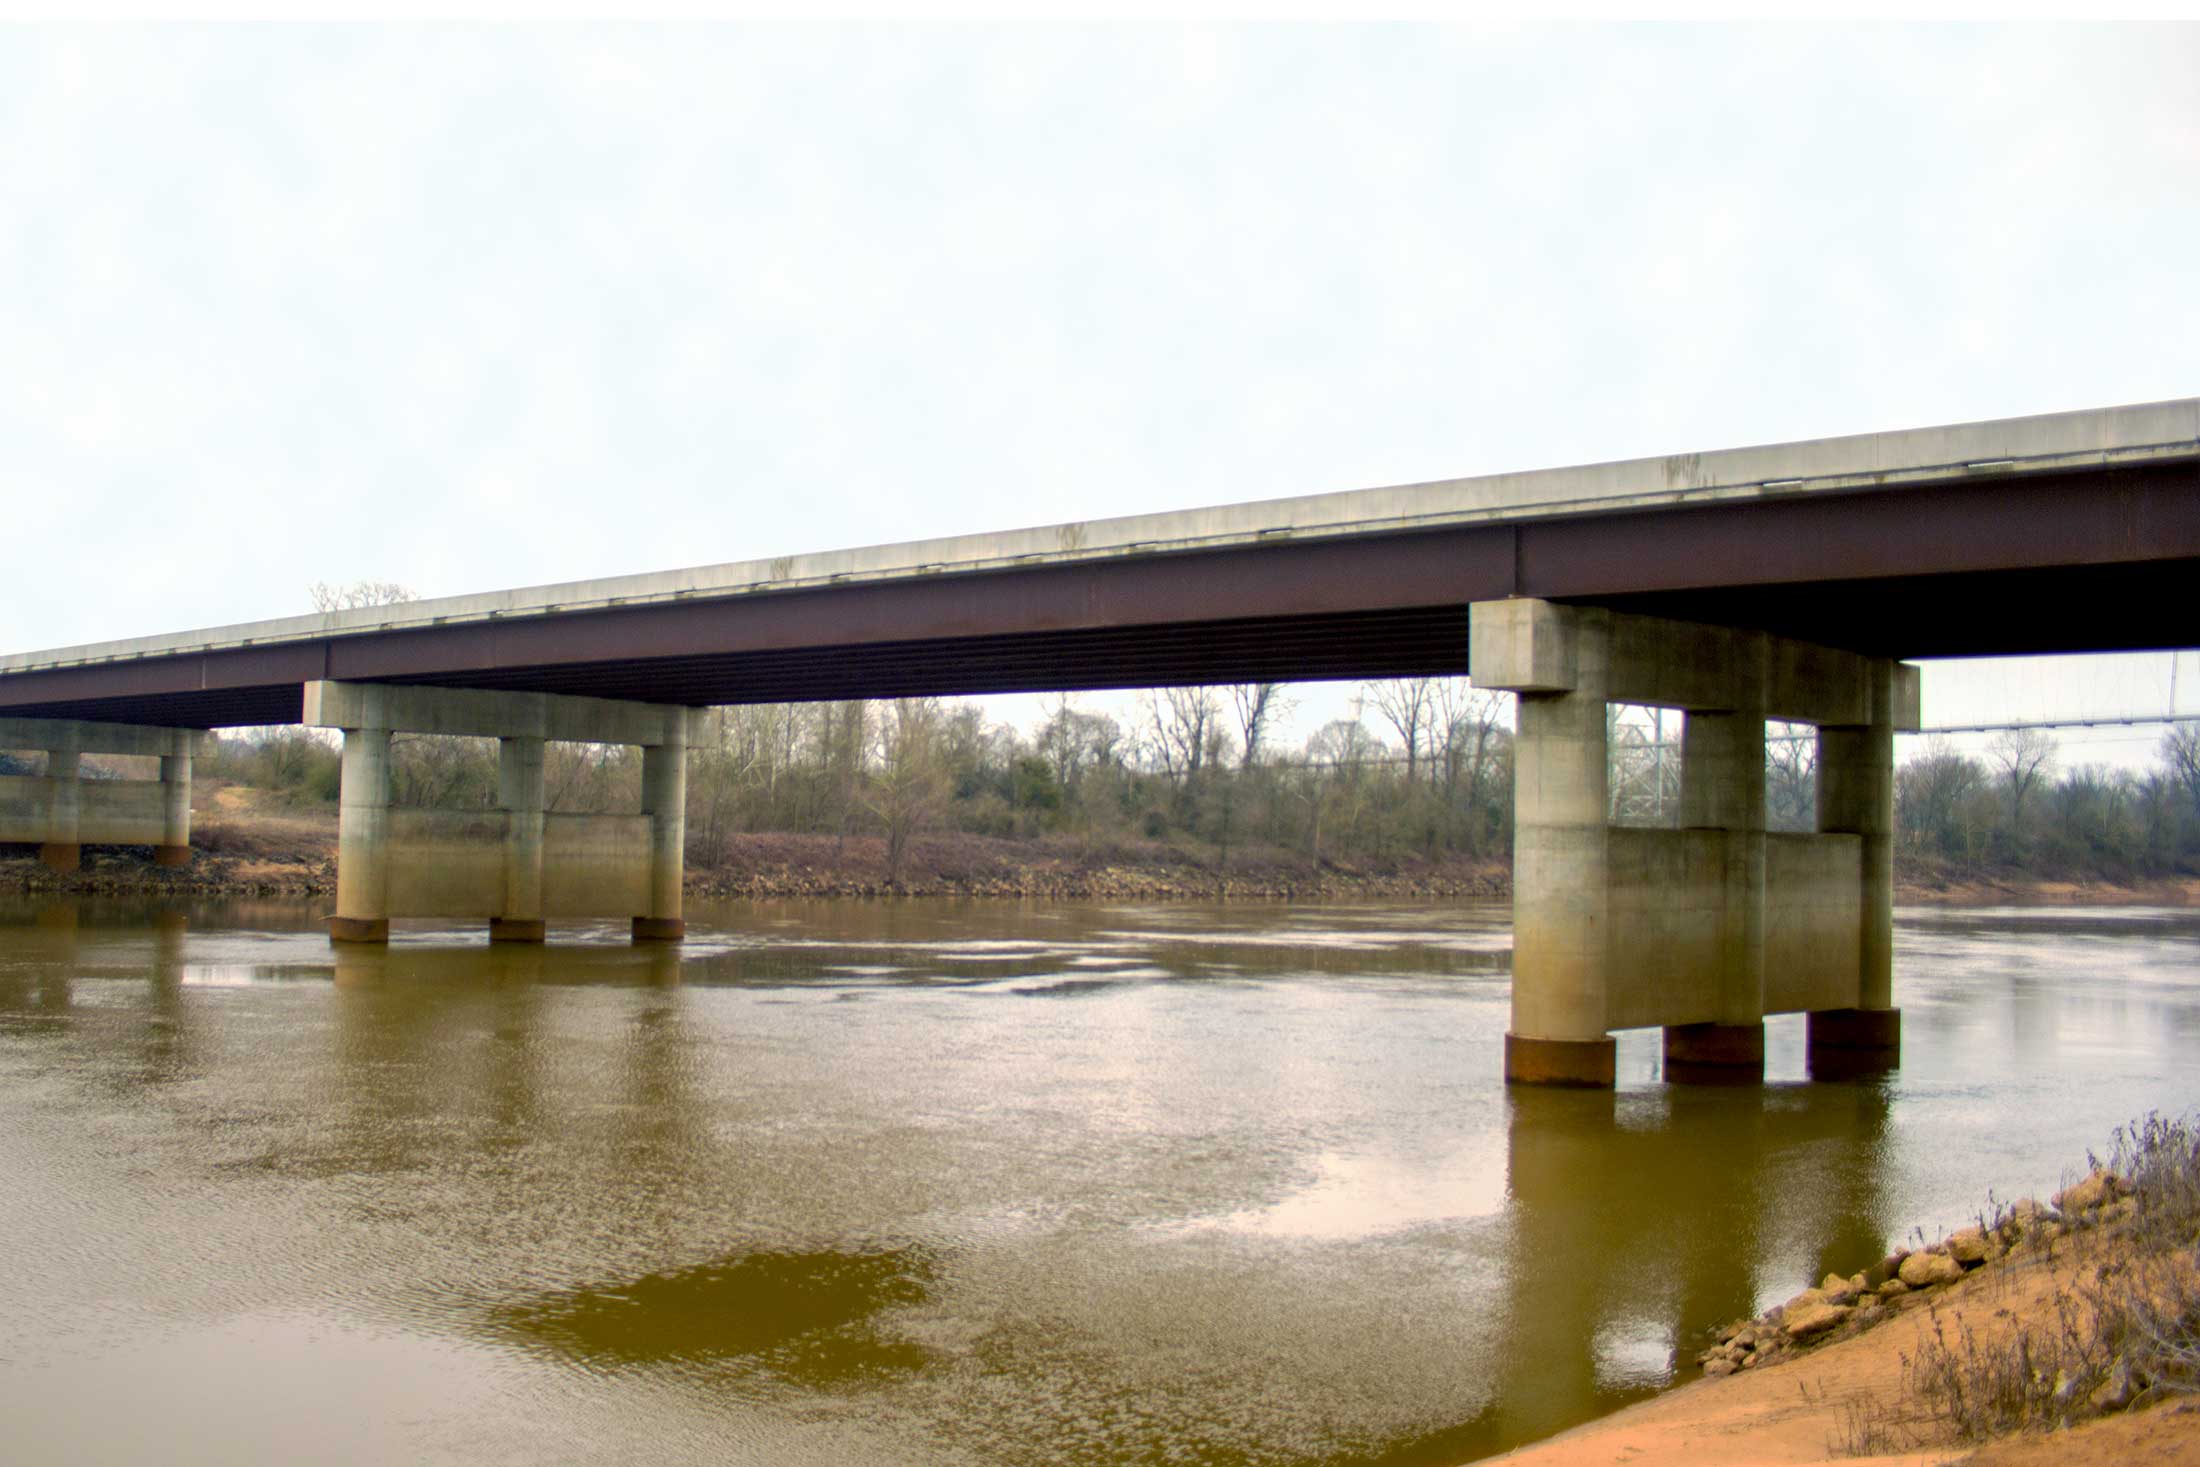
1787, 582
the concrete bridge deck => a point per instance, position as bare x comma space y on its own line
2069, 532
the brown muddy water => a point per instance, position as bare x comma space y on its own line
933, 1183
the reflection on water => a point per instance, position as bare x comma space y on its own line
833, 1184
808, 1318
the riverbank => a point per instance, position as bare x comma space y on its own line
2046, 1335
1930, 882
243, 847
293, 853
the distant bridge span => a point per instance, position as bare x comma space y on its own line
1753, 584
2074, 532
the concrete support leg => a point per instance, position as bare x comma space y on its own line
1561, 863
1723, 789
519, 791
664, 801
362, 839
60, 849
1856, 795
175, 791
1715, 1054
1846, 1042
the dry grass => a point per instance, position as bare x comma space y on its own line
2127, 1334
295, 840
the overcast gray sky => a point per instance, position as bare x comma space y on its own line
477, 307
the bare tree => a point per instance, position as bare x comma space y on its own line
2023, 756
1182, 725
1073, 742
1643, 748
1337, 758
726, 760
906, 785
2181, 752
1931, 794
843, 736
1258, 705
1468, 745
1407, 704
1791, 777
443, 771
359, 594
584, 777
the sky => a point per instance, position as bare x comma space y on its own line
485, 306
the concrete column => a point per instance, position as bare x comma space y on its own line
519, 791
1561, 808
1856, 796
175, 790
60, 849
1723, 789
664, 801
362, 839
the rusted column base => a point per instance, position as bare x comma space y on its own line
358, 929
172, 857
518, 929
1845, 1042
1715, 1054
659, 929
1588, 1063
62, 855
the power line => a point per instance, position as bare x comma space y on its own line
2121, 720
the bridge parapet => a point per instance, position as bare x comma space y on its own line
517, 865
1706, 929
61, 812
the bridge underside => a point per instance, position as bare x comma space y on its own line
2053, 563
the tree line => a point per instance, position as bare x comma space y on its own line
2018, 806
1422, 768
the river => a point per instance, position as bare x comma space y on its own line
952, 1183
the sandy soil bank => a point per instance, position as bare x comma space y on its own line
1805, 1410
1919, 887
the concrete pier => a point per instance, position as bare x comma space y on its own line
1723, 789
1706, 929
664, 801
1561, 840
518, 866
362, 839
61, 812
1856, 795
519, 793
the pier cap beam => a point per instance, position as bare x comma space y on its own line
86, 736
493, 714
1525, 645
